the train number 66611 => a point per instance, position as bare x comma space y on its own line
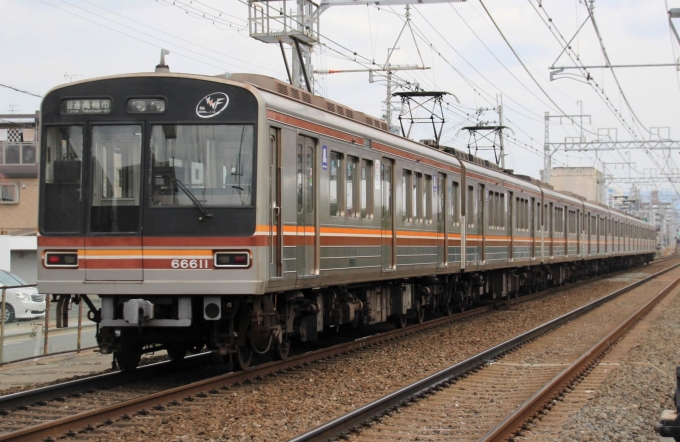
189, 263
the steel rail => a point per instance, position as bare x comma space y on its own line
423, 387
107, 415
48, 392
532, 407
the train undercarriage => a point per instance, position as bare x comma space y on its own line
236, 328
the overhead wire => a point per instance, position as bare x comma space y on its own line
20, 90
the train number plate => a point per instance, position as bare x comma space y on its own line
190, 264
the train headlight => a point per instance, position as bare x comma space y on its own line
61, 259
239, 259
145, 106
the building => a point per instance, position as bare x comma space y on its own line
587, 182
19, 153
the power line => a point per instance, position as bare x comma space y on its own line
20, 90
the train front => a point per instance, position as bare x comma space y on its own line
147, 199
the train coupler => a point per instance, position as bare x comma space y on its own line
669, 426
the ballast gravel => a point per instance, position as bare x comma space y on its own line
280, 407
631, 399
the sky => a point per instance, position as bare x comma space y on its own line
49, 42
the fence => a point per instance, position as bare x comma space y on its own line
25, 338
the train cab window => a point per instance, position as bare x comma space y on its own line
470, 210
454, 199
212, 164
407, 195
335, 186
427, 199
366, 189
116, 181
352, 188
63, 150
418, 198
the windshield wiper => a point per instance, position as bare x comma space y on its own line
193, 199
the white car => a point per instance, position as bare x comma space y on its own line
21, 303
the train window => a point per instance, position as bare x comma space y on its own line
407, 195
492, 210
212, 162
61, 211
366, 189
335, 189
418, 198
470, 210
502, 211
386, 177
116, 181
454, 198
309, 179
352, 187
300, 173
427, 199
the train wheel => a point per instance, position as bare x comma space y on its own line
244, 354
420, 315
282, 350
401, 321
448, 308
128, 356
177, 352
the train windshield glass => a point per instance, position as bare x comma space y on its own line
116, 178
63, 154
214, 162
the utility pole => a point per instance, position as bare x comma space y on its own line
548, 151
500, 132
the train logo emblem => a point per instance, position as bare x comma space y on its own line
212, 104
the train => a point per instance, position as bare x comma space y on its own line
242, 214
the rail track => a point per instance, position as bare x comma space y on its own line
500, 393
53, 424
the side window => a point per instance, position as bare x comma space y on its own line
418, 198
470, 211
300, 174
352, 186
427, 199
335, 190
502, 210
492, 210
454, 198
407, 195
366, 189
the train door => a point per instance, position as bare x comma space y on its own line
442, 242
275, 218
306, 198
532, 227
387, 213
115, 194
480, 222
511, 226
551, 229
578, 232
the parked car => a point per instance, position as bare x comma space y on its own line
21, 303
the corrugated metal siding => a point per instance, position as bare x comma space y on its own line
24, 263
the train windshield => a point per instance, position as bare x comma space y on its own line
63, 176
213, 162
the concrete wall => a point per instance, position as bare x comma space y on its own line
25, 214
9, 243
587, 182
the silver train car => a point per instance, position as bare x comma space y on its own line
240, 213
